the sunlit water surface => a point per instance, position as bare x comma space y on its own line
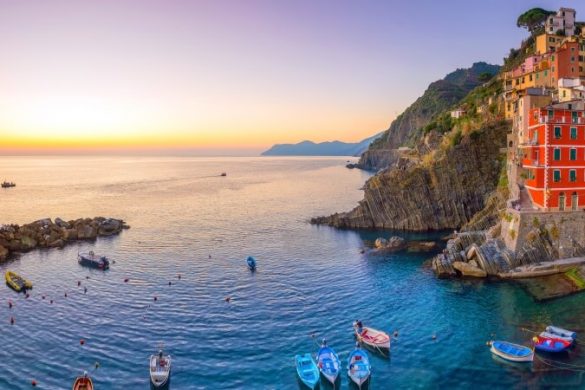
310, 280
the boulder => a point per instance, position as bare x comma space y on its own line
380, 243
469, 270
27, 243
85, 232
3, 253
421, 246
109, 227
70, 234
57, 244
62, 224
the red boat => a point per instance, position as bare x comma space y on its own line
372, 338
83, 383
550, 344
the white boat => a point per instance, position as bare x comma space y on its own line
160, 371
373, 338
512, 352
358, 366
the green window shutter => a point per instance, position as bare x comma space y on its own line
557, 154
572, 175
556, 175
574, 130
573, 154
557, 132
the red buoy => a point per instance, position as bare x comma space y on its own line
82, 341
33, 383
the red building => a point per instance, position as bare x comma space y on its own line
554, 156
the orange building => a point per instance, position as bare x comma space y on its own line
554, 156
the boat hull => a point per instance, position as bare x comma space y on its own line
17, 282
96, 262
328, 364
83, 383
373, 338
551, 344
512, 352
307, 370
359, 369
160, 372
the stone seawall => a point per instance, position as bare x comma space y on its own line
46, 233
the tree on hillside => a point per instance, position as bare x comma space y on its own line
485, 76
533, 19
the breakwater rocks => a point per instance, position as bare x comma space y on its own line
444, 192
46, 233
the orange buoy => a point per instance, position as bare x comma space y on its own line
33, 383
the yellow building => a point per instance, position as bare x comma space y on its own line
546, 43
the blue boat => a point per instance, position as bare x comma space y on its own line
358, 366
92, 260
328, 362
307, 370
512, 352
251, 263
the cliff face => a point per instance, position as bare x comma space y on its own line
439, 96
442, 191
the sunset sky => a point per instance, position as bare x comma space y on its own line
221, 75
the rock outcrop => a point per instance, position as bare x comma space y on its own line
444, 192
45, 233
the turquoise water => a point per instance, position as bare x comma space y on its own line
309, 280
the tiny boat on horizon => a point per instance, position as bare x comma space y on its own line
358, 366
373, 338
8, 184
90, 259
83, 383
512, 352
251, 263
223, 174
307, 370
328, 363
17, 282
160, 371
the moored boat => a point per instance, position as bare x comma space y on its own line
550, 344
7, 184
17, 282
307, 370
160, 371
251, 263
370, 337
83, 383
556, 332
511, 352
359, 368
328, 363
90, 259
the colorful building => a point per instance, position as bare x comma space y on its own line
553, 153
562, 22
547, 43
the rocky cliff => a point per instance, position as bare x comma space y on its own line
45, 233
442, 190
439, 96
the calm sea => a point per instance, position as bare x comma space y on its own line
187, 220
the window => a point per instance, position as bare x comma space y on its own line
556, 175
557, 154
552, 58
574, 129
572, 58
550, 114
572, 175
573, 154
557, 132
530, 77
546, 73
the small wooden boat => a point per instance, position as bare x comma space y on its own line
373, 338
551, 344
160, 371
359, 368
223, 174
328, 363
560, 333
17, 282
307, 370
6, 184
92, 260
251, 263
512, 352
83, 383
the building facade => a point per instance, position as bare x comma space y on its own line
554, 156
562, 22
